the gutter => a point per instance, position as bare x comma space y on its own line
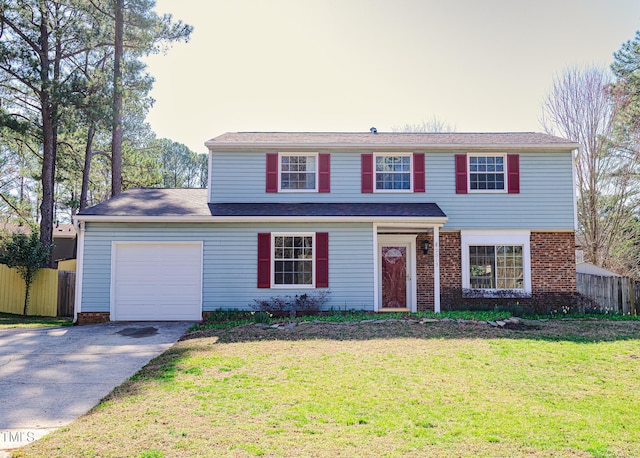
438, 220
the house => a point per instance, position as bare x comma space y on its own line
64, 239
384, 221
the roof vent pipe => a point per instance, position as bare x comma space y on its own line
374, 130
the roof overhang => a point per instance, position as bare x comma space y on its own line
253, 146
391, 220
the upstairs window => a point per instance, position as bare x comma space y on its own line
487, 173
393, 172
298, 172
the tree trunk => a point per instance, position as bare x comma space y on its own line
116, 138
88, 153
26, 297
47, 112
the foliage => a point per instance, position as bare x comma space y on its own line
581, 107
433, 125
56, 90
26, 254
300, 304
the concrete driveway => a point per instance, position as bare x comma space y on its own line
51, 376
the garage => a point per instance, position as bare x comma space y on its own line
156, 281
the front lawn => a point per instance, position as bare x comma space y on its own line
9, 320
554, 388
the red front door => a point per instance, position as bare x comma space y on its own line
394, 276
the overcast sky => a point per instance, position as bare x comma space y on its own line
348, 65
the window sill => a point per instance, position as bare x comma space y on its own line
470, 293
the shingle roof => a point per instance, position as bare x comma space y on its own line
153, 202
390, 139
329, 209
146, 202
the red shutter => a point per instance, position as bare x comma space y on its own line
322, 259
367, 173
264, 260
513, 169
461, 173
418, 172
324, 172
272, 172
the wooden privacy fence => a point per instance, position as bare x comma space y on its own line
52, 292
66, 292
612, 294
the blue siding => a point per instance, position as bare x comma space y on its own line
230, 261
545, 200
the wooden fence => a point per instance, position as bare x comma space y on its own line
612, 294
66, 292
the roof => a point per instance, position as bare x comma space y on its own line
153, 202
439, 140
329, 209
592, 269
60, 231
148, 203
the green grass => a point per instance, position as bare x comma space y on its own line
561, 389
9, 320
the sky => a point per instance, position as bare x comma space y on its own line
348, 65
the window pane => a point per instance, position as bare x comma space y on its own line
486, 173
393, 173
293, 260
481, 265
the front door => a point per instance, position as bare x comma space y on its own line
395, 254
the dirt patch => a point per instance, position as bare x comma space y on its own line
575, 330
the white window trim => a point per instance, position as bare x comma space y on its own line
487, 191
273, 259
488, 238
281, 155
375, 172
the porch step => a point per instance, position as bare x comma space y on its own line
394, 310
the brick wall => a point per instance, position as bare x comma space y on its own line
450, 269
92, 317
424, 273
553, 274
553, 263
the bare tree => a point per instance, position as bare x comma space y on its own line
580, 107
433, 125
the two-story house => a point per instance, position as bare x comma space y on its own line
384, 221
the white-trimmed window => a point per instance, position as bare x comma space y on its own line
298, 172
494, 262
293, 260
393, 172
487, 172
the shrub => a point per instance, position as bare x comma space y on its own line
292, 306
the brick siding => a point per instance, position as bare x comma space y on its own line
92, 317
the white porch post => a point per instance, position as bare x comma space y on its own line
436, 269
376, 304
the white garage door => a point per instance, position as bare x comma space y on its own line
156, 281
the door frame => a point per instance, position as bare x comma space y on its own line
408, 240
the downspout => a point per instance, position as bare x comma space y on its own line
77, 303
